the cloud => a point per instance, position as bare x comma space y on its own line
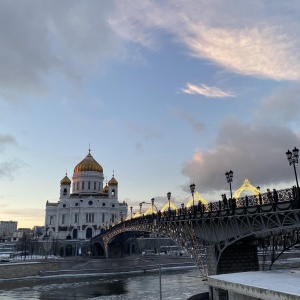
190, 119
282, 107
245, 38
207, 91
9, 168
40, 39
252, 151
7, 139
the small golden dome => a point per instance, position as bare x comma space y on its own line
65, 181
105, 190
113, 181
88, 164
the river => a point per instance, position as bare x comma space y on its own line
176, 284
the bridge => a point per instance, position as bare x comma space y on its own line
221, 237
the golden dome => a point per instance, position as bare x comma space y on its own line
88, 164
65, 181
105, 190
113, 181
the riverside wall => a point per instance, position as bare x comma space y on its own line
25, 269
89, 266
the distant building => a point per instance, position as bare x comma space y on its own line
19, 233
7, 229
88, 208
38, 231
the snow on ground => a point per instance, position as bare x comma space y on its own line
285, 281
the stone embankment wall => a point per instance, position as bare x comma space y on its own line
90, 266
18, 270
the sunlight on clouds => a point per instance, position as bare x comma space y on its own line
198, 157
207, 91
261, 52
233, 37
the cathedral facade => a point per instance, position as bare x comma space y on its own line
85, 205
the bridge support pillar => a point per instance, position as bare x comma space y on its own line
238, 257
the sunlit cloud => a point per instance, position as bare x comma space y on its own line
207, 91
238, 38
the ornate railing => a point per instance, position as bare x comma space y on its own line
279, 200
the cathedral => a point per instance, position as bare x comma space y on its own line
88, 208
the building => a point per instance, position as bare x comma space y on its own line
7, 229
90, 206
20, 232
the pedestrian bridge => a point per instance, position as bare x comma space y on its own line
221, 237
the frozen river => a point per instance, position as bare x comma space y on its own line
176, 284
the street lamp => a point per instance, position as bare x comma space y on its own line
140, 208
229, 176
293, 159
131, 211
158, 238
192, 188
169, 199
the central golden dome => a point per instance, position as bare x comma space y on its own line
88, 164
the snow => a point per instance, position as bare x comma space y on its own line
284, 281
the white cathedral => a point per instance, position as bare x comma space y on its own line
90, 207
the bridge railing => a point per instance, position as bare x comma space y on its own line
248, 204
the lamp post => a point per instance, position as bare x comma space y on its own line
229, 176
141, 208
131, 211
192, 188
169, 200
293, 159
158, 238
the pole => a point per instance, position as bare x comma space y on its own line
158, 239
159, 266
230, 190
297, 194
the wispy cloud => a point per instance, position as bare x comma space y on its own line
207, 91
245, 39
7, 139
197, 126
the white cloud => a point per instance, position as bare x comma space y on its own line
207, 91
244, 38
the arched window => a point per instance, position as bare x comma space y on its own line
113, 192
82, 185
65, 192
77, 186
75, 232
95, 185
89, 185
89, 233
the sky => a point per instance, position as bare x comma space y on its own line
164, 93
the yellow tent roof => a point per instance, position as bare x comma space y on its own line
136, 215
166, 206
197, 198
246, 186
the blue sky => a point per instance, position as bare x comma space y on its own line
165, 92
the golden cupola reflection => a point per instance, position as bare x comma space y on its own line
113, 181
88, 164
65, 181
